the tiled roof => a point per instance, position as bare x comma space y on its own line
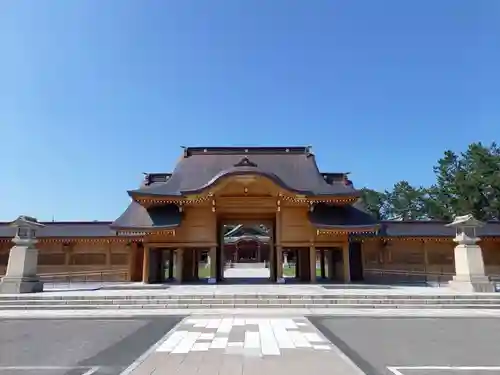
387, 228
136, 217
342, 217
431, 229
293, 168
66, 229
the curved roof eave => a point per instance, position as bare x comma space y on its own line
237, 171
242, 171
144, 229
140, 192
353, 193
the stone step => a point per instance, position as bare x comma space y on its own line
201, 306
125, 297
252, 301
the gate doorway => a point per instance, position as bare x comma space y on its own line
161, 265
245, 252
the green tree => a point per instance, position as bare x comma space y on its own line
375, 203
406, 202
466, 183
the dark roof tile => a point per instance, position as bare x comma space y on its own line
431, 229
158, 217
295, 169
347, 216
70, 229
66, 229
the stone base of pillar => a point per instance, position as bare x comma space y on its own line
480, 284
469, 270
14, 285
21, 275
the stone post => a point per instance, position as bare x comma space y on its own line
21, 275
285, 259
469, 264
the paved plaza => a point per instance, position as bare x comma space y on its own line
417, 346
251, 344
247, 341
77, 346
245, 345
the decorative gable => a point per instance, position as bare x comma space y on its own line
245, 162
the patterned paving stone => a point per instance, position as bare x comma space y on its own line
245, 345
257, 336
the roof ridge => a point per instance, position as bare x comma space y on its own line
239, 150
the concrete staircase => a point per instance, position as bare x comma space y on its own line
226, 301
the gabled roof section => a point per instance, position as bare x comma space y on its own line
246, 233
242, 230
348, 217
293, 168
137, 217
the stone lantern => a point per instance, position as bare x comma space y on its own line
21, 275
469, 264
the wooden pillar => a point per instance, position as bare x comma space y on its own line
322, 263
213, 262
346, 263
179, 263
426, 261
194, 264
146, 264
298, 268
426, 256
275, 247
221, 263
68, 250
312, 263
170, 253
272, 263
197, 257
132, 260
279, 262
108, 256
330, 265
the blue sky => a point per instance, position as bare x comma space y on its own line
95, 92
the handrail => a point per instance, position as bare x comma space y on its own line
407, 272
426, 277
85, 277
77, 273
